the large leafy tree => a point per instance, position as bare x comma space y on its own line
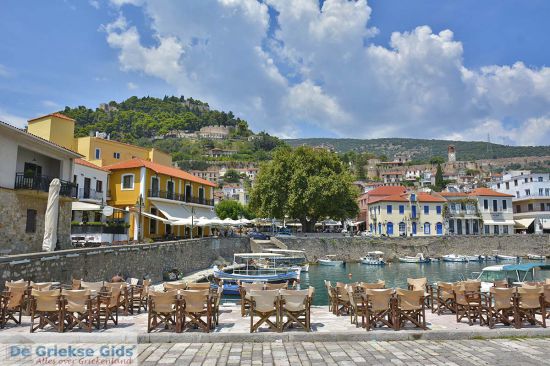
232, 209
305, 184
232, 176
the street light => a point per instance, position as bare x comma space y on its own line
139, 203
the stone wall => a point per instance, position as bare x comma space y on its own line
97, 264
352, 248
13, 220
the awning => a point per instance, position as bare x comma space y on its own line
523, 223
83, 206
154, 217
505, 222
180, 215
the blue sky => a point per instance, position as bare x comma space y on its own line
437, 69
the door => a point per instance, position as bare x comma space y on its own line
413, 211
170, 190
414, 227
439, 228
87, 184
389, 229
154, 187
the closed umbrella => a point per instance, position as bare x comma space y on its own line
52, 214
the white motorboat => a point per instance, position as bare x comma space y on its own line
329, 261
292, 258
506, 258
514, 274
475, 258
454, 258
374, 258
536, 257
418, 258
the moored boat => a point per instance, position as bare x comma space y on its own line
374, 258
475, 258
454, 258
418, 258
329, 261
501, 257
536, 257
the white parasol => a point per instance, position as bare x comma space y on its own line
52, 213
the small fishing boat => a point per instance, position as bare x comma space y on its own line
475, 258
418, 258
454, 258
536, 257
501, 257
489, 258
329, 261
294, 258
374, 258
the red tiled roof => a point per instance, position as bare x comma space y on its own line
387, 190
90, 165
488, 192
426, 197
162, 169
58, 115
390, 198
453, 194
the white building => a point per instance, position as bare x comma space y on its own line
531, 199
236, 192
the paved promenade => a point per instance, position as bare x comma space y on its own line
533, 351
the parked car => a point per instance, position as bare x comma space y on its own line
258, 236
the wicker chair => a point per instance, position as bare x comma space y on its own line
163, 310
500, 306
377, 305
410, 307
265, 304
46, 306
196, 304
296, 306
530, 303
78, 309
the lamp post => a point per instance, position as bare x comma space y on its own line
139, 203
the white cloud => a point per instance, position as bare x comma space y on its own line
319, 66
50, 104
4, 71
12, 119
94, 3
132, 86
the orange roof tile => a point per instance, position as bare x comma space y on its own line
58, 115
90, 165
387, 190
426, 197
488, 192
162, 169
390, 198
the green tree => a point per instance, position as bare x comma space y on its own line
231, 176
439, 182
232, 209
437, 160
304, 184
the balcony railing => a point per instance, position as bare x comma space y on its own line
179, 197
90, 194
42, 183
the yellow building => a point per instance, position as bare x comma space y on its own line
172, 200
406, 214
59, 129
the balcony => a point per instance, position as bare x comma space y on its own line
179, 197
89, 194
42, 183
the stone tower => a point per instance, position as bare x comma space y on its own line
451, 153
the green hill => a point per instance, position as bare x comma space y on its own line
423, 150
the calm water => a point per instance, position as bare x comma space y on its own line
395, 274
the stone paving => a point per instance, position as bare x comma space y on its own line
533, 351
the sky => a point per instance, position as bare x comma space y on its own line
447, 69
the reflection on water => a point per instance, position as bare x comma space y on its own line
395, 274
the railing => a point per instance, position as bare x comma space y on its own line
84, 193
42, 183
97, 229
179, 197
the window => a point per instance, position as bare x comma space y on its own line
518, 209
498, 185
547, 191
116, 155
98, 153
529, 207
486, 205
99, 186
495, 205
542, 206
128, 182
426, 210
170, 189
201, 194
541, 191
507, 185
388, 209
439, 228
389, 229
526, 180
515, 182
517, 194
413, 197
426, 228
548, 207
475, 227
486, 229
451, 226
504, 205
496, 228
402, 228
505, 229
188, 192
30, 227
153, 222
438, 209
74, 179
401, 209
414, 228
154, 186
540, 179
527, 192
